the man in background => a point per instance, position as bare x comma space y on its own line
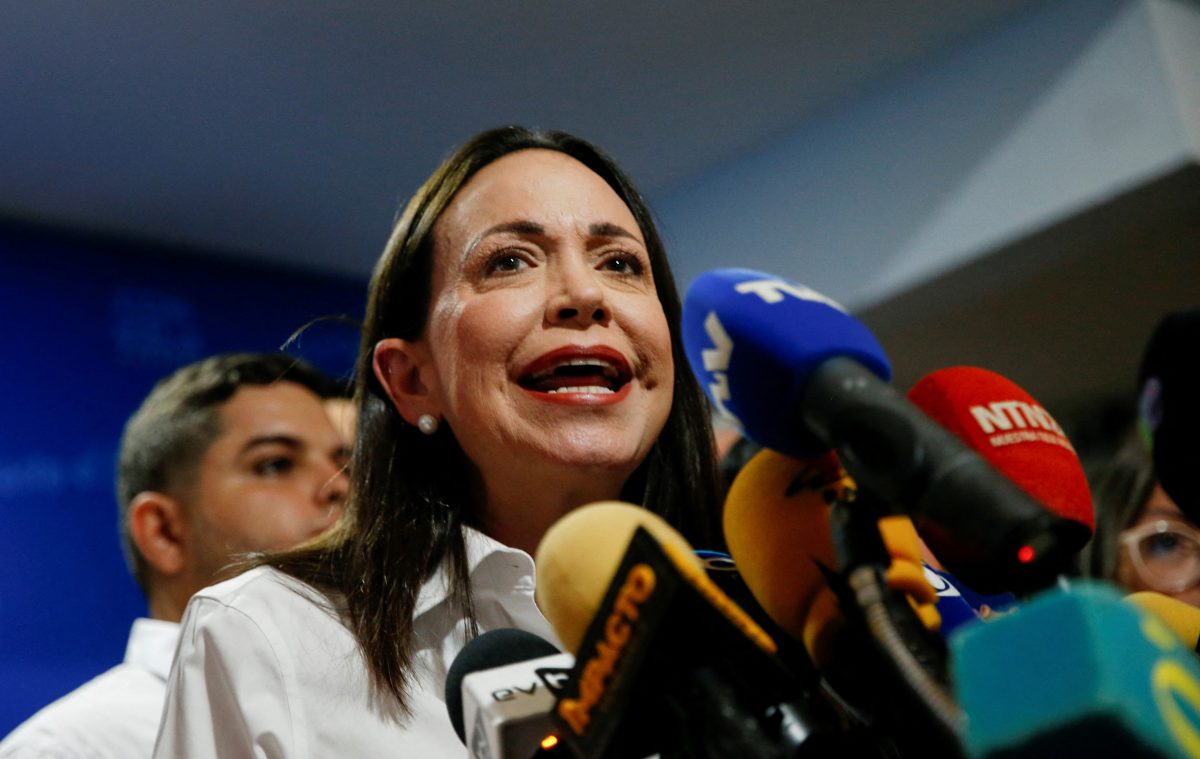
227, 456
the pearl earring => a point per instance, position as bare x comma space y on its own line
427, 423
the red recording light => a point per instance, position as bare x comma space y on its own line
1026, 554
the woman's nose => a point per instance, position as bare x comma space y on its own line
577, 296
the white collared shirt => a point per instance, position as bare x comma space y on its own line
267, 667
113, 716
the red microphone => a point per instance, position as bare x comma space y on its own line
1013, 433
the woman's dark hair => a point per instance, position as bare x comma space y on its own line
1120, 491
408, 502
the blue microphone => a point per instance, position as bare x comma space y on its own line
762, 316
801, 375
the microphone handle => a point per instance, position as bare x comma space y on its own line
781, 732
859, 545
892, 449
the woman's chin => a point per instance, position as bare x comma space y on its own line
602, 447
594, 466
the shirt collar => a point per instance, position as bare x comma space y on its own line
152, 645
491, 565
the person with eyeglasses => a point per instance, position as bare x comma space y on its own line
1142, 540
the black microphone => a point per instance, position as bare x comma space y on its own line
801, 375
503, 685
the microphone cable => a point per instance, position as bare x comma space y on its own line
862, 554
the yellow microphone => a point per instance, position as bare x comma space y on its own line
579, 555
664, 658
777, 527
1182, 618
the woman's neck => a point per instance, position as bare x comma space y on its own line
518, 514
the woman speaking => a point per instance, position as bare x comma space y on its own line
521, 357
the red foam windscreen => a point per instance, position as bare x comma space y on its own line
1013, 432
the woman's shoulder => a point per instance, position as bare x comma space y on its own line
267, 614
266, 591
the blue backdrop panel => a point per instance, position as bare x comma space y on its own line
87, 327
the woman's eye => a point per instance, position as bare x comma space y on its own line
506, 263
274, 466
624, 264
1163, 544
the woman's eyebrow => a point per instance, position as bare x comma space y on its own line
1165, 512
608, 229
520, 227
527, 227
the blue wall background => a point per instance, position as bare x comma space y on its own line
87, 326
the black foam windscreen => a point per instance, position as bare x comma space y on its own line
495, 648
1169, 406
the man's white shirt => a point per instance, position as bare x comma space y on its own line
112, 716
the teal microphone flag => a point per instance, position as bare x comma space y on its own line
1077, 671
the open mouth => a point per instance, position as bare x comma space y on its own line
591, 375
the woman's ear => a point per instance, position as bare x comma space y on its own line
403, 370
157, 527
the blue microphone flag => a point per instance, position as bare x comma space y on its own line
754, 339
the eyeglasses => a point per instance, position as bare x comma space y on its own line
1165, 554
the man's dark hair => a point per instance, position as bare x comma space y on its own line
167, 436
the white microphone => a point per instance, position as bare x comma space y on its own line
500, 691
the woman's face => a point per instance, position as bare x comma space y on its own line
1163, 549
548, 344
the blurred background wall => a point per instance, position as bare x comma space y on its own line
89, 324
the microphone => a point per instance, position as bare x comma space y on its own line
777, 527
503, 685
724, 573
571, 587
801, 375
1169, 406
665, 661
1001, 422
1181, 617
1077, 672
876, 653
